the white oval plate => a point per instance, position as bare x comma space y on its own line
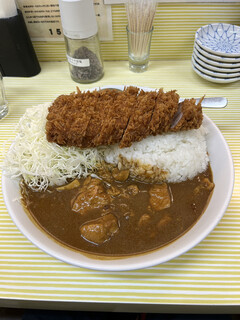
198, 59
213, 79
221, 39
216, 63
215, 57
214, 73
219, 154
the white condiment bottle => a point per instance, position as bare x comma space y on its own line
8, 8
81, 39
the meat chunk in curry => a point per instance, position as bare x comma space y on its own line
165, 219
120, 175
144, 220
91, 196
205, 184
100, 230
159, 197
74, 184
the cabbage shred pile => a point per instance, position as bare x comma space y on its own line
40, 163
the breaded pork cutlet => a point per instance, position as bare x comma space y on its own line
164, 111
61, 115
117, 117
105, 117
138, 125
68, 117
97, 115
189, 117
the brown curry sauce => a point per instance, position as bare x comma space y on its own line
106, 216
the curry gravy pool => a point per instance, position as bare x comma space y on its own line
109, 213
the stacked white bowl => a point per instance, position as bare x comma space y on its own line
216, 52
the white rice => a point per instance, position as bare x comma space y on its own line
173, 157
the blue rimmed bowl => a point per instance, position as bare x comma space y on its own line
220, 39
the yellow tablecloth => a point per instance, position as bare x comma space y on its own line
209, 274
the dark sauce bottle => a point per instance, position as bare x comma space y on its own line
17, 55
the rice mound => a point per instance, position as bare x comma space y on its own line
171, 157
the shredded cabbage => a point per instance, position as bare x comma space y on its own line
40, 163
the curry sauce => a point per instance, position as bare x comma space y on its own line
109, 213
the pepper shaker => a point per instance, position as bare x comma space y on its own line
81, 40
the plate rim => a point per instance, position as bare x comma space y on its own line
213, 67
218, 53
215, 57
213, 79
133, 262
215, 74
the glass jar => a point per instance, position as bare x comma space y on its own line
3, 101
84, 58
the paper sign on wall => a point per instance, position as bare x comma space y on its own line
43, 19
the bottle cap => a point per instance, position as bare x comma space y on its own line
8, 9
78, 18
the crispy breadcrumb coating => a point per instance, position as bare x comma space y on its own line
109, 116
